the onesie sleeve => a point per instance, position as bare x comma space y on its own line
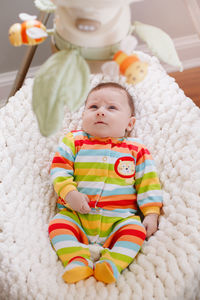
62, 167
147, 185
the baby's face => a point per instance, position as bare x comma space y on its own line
107, 113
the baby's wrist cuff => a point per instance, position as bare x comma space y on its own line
66, 190
151, 210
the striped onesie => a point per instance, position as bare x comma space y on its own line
118, 175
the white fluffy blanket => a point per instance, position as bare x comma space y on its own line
169, 265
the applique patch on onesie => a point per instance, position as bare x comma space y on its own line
125, 167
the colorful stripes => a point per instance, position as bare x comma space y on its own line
101, 168
71, 232
92, 166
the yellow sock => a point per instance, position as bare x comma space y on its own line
103, 272
76, 274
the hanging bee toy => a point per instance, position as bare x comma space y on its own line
126, 63
30, 32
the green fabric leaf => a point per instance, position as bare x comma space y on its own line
45, 5
159, 43
62, 80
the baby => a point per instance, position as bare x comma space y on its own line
102, 177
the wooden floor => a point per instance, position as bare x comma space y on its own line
189, 82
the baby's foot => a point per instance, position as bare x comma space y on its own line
77, 270
103, 272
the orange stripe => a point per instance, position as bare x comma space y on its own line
128, 238
113, 198
151, 204
143, 158
23, 33
63, 221
59, 232
120, 57
127, 62
68, 256
117, 54
62, 165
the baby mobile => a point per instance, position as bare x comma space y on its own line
64, 78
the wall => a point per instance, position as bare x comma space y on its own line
172, 16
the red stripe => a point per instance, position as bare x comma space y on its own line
142, 152
120, 203
78, 258
64, 226
120, 233
96, 142
58, 159
77, 130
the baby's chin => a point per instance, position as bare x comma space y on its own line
103, 133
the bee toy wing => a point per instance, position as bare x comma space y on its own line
128, 44
26, 17
36, 33
110, 68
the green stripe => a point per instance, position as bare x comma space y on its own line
104, 219
70, 143
63, 178
71, 215
70, 250
94, 231
146, 176
148, 188
118, 256
109, 180
89, 217
93, 165
97, 231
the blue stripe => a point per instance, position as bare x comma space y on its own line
68, 173
102, 152
63, 237
142, 166
124, 191
134, 140
157, 199
95, 191
130, 210
76, 262
114, 268
126, 245
60, 206
65, 154
81, 132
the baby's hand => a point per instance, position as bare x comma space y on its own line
150, 223
78, 202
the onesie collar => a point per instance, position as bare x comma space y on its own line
107, 139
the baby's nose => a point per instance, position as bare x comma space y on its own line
100, 112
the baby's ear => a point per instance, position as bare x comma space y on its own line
131, 123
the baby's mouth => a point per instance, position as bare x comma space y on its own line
100, 122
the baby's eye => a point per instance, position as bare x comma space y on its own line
93, 106
112, 107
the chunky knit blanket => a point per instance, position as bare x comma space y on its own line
168, 267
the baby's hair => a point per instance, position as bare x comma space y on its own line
117, 86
